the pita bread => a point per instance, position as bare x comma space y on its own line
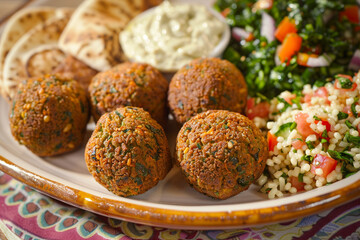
35, 53
19, 24
92, 34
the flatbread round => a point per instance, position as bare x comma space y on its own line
92, 34
18, 25
35, 53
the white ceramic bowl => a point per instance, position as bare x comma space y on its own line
216, 52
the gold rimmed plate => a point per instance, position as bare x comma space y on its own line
172, 203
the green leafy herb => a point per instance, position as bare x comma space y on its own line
353, 106
341, 156
138, 180
187, 129
297, 101
301, 177
323, 140
352, 139
286, 128
342, 115
310, 145
345, 83
308, 158
141, 169
198, 145
324, 134
317, 118
152, 129
349, 125
119, 114
284, 175
113, 90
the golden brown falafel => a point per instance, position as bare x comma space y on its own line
49, 115
128, 152
221, 153
129, 84
206, 84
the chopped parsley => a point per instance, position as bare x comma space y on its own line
342, 115
310, 145
345, 83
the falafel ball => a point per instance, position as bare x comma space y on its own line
128, 152
49, 115
206, 84
77, 70
221, 153
129, 84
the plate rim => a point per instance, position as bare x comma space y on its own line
177, 219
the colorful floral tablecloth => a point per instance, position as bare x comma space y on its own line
31, 215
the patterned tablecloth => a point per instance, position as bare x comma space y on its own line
31, 215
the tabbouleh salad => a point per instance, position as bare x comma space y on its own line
284, 45
314, 142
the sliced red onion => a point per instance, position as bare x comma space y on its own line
267, 27
355, 61
320, 61
239, 33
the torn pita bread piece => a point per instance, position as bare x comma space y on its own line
19, 24
92, 34
36, 53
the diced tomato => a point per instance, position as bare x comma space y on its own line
285, 27
303, 126
307, 98
343, 90
262, 4
321, 92
225, 12
325, 123
296, 183
253, 110
289, 98
290, 46
298, 144
351, 12
327, 164
272, 141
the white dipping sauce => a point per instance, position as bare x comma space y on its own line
172, 35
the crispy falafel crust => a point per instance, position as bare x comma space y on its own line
128, 152
49, 115
206, 84
130, 84
221, 153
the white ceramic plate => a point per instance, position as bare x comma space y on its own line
172, 203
